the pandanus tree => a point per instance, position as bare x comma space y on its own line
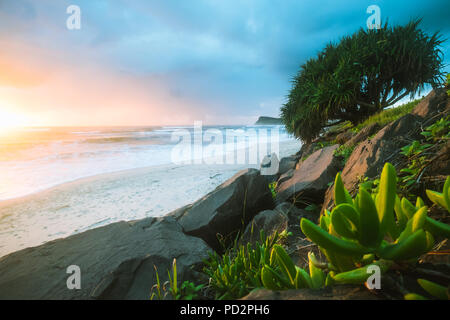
360, 76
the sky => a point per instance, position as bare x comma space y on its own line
171, 62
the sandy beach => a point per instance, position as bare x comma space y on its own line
102, 199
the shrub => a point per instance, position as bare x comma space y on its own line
360, 76
238, 270
171, 289
344, 152
386, 116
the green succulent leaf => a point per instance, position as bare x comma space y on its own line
412, 247
408, 208
437, 198
386, 199
317, 275
330, 242
437, 228
434, 289
414, 224
360, 275
285, 262
345, 220
341, 194
369, 223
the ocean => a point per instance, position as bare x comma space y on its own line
57, 182
35, 159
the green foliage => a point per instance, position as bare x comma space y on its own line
438, 130
263, 265
281, 273
433, 289
273, 189
448, 84
187, 291
190, 291
238, 270
344, 152
417, 151
388, 115
360, 76
375, 227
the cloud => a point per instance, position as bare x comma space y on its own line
211, 60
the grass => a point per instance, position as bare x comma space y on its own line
344, 152
388, 115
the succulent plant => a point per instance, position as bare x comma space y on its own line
433, 289
375, 228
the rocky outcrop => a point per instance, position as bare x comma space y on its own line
369, 157
364, 134
269, 221
312, 177
268, 121
308, 149
434, 103
287, 163
227, 209
341, 292
285, 216
116, 262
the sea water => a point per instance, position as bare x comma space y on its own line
35, 159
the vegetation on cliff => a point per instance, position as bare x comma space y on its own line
360, 76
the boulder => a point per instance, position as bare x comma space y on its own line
308, 149
312, 177
435, 102
270, 221
228, 208
116, 262
341, 292
287, 163
285, 216
369, 157
364, 134
270, 167
286, 176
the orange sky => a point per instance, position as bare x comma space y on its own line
39, 90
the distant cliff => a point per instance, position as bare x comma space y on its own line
268, 121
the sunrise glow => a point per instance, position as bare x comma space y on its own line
10, 120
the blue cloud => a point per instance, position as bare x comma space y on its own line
232, 55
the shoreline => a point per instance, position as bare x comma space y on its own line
95, 201
87, 203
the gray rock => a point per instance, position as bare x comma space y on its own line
311, 179
289, 174
116, 262
286, 164
269, 167
270, 221
227, 209
285, 216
